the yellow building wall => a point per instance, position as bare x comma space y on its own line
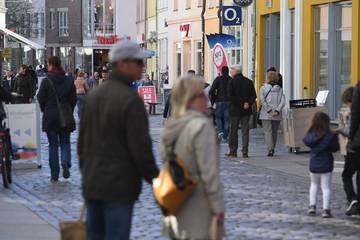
151, 64
308, 42
211, 27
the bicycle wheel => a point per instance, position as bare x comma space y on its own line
4, 173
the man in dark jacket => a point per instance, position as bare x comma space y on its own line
219, 95
34, 79
23, 86
114, 147
242, 96
8, 82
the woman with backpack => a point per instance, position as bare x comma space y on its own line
57, 99
272, 101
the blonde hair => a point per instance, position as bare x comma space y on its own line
272, 77
183, 92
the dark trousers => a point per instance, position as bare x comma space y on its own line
234, 137
57, 140
108, 220
222, 118
352, 166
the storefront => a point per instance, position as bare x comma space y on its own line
314, 43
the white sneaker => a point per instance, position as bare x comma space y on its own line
353, 208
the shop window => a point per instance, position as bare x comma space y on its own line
178, 59
333, 28
292, 67
104, 17
199, 58
63, 19
188, 4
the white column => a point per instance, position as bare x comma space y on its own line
298, 49
285, 47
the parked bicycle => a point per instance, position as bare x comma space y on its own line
5, 155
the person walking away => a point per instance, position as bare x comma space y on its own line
113, 169
57, 86
219, 95
8, 82
272, 101
280, 77
23, 86
194, 137
323, 143
352, 158
105, 77
34, 79
242, 96
81, 89
94, 81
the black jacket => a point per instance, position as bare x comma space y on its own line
322, 149
23, 86
114, 147
9, 86
355, 112
219, 89
66, 92
241, 90
34, 79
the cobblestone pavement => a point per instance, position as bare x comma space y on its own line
261, 203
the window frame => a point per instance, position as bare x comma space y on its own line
63, 22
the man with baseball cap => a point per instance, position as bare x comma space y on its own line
114, 147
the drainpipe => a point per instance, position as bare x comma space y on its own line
203, 37
219, 16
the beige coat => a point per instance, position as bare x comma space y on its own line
197, 146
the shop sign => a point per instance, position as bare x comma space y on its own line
185, 30
148, 94
111, 39
219, 57
7, 53
243, 3
231, 16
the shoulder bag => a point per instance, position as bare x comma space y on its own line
174, 184
74, 230
259, 122
66, 117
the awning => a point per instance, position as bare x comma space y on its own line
22, 39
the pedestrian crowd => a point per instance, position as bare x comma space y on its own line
115, 147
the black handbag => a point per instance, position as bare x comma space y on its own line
66, 117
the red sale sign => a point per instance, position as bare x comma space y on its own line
148, 94
219, 57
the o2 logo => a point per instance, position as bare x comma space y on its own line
231, 16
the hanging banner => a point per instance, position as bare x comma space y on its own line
24, 123
226, 40
219, 57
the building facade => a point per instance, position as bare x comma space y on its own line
163, 42
151, 36
184, 38
104, 22
243, 53
323, 51
64, 31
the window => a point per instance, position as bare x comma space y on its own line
200, 3
188, 4
63, 22
176, 5
211, 3
104, 17
292, 67
178, 59
199, 58
162, 4
52, 19
332, 51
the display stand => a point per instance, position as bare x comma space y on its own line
24, 123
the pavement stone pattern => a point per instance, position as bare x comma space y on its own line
260, 203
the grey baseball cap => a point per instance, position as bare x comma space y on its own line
127, 50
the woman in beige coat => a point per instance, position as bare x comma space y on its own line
195, 142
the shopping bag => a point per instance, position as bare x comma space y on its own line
74, 230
